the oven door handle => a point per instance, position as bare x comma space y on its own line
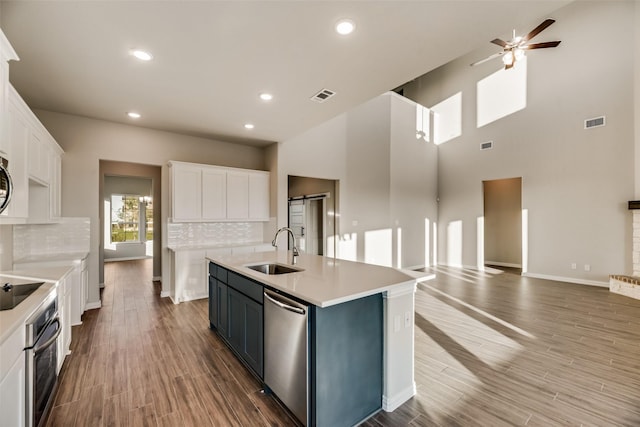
51, 340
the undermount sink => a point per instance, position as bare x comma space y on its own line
274, 268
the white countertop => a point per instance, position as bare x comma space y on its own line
324, 282
14, 318
53, 257
187, 246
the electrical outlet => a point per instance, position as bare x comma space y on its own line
574, 266
587, 267
407, 319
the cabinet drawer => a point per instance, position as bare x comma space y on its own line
221, 274
213, 270
246, 286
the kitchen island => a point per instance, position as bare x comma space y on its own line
360, 345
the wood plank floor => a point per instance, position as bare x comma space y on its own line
491, 350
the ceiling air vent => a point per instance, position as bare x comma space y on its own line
486, 145
594, 123
323, 95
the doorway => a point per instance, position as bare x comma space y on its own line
136, 189
312, 204
307, 219
503, 223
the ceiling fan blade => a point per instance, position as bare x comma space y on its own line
538, 30
495, 55
540, 45
509, 65
499, 42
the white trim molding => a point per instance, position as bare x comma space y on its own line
393, 403
93, 305
503, 264
567, 279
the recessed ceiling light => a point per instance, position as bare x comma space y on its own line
141, 54
133, 115
249, 126
266, 96
345, 27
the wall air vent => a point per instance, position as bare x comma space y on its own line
594, 123
486, 145
323, 95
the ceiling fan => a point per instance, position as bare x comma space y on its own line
513, 50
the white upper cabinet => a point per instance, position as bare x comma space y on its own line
259, 196
35, 165
39, 155
205, 193
214, 194
237, 195
186, 192
34, 156
6, 54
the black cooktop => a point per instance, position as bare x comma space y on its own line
12, 295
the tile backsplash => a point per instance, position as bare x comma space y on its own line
69, 235
213, 233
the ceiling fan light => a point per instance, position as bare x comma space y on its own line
518, 54
507, 58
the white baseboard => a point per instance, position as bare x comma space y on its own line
391, 403
132, 258
164, 294
101, 285
93, 305
567, 279
194, 296
503, 264
414, 267
156, 279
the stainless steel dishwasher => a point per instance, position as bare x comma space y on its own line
286, 343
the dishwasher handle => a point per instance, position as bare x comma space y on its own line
280, 304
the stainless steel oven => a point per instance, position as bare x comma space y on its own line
43, 329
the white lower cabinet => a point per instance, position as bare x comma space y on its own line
12, 394
12, 379
189, 273
64, 312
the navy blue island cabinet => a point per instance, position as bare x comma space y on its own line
345, 366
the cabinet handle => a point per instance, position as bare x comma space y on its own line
297, 310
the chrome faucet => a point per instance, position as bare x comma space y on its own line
294, 251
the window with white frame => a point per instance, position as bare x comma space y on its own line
126, 218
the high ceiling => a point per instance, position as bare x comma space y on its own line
213, 58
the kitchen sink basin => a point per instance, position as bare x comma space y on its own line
274, 268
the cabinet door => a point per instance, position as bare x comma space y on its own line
19, 141
38, 156
259, 196
85, 285
186, 193
214, 194
223, 312
55, 185
213, 302
12, 393
191, 275
245, 329
237, 195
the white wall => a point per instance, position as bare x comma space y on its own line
87, 141
576, 182
387, 179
